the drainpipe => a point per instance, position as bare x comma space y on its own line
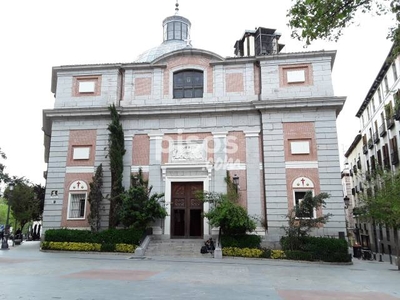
262, 150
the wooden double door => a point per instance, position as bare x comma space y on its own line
186, 210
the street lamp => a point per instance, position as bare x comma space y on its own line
4, 244
235, 180
346, 201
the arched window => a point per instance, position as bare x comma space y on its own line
188, 84
301, 186
77, 200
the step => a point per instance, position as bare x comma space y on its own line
176, 248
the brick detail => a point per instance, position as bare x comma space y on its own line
141, 150
284, 69
300, 131
82, 138
188, 60
236, 146
143, 86
257, 79
234, 82
69, 179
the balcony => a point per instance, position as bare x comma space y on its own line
394, 156
389, 122
370, 143
386, 163
382, 130
365, 149
376, 137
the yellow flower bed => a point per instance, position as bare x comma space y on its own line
71, 246
242, 252
125, 248
275, 254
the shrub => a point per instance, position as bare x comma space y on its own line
320, 248
241, 241
242, 252
107, 247
110, 236
275, 254
266, 253
298, 255
125, 248
70, 246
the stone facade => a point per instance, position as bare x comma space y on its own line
270, 120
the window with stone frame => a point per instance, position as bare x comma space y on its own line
77, 199
188, 84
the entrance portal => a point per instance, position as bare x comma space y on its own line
186, 210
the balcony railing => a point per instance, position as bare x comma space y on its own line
376, 137
370, 143
382, 130
389, 122
365, 149
394, 157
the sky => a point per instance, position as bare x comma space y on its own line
38, 35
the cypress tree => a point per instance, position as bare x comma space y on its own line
95, 198
116, 153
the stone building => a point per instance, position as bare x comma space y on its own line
375, 149
189, 116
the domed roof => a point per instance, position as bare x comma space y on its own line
176, 36
156, 52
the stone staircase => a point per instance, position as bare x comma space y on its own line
175, 248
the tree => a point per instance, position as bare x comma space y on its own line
383, 206
139, 206
116, 153
95, 197
39, 192
301, 217
3, 176
226, 213
316, 19
22, 202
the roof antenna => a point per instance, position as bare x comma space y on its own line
176, 8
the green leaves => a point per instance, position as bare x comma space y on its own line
315, 19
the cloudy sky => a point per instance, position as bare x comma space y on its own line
37, 35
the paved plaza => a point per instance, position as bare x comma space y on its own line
28, 273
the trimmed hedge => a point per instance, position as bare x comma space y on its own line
318, 248
241, 241
110, 236
242, 252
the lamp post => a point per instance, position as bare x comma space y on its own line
4, 243
235, 180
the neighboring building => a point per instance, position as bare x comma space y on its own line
189, 115
375, 148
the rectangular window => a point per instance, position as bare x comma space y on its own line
76, 207
379, 95
81, 153
395, 76
385, 80
298, 198
387, 233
